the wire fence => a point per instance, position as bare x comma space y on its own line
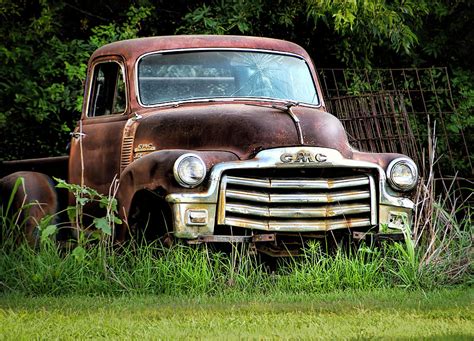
391, 110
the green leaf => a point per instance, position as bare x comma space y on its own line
82, 201
103, 225
79, 253
95, 235
61, 183
19, 182
103, 202
71, 213
48, 232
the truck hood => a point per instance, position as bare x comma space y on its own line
241, 128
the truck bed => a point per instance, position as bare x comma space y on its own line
56, 166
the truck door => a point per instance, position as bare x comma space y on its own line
96, 142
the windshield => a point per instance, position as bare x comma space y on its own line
170, 77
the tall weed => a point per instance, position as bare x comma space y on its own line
443, 229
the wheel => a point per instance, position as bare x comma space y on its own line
150, 219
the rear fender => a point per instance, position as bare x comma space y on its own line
37, 194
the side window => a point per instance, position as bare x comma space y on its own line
108, 90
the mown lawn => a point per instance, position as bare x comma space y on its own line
443, 314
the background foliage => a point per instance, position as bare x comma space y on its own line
46, 44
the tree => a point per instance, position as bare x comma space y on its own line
46, 45
43, 71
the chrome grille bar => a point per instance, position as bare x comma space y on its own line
298, 225
297, 198
299, 183
298, 212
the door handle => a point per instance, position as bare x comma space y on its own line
136, 117
77, 135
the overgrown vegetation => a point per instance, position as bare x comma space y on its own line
439, 255
185, 271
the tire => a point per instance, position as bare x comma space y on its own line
150, 220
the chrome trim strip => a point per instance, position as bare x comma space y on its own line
297, 124
270, 158
373, 201
299, 183
222, 202
296, 198
298, 225
299, 212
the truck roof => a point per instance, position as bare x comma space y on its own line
134, 48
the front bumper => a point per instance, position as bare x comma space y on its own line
196, 214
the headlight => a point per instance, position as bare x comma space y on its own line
189, 170
402, 174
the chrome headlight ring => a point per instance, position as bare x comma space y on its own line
402, 174
189, 170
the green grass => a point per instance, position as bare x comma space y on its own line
392, 313
184, 271
95, 289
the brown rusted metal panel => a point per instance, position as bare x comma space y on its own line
52, 166
133, 48
242, 129
264, 237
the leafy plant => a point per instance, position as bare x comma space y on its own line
85, 195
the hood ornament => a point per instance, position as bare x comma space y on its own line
287, 108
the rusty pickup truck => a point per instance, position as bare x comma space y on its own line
222, 139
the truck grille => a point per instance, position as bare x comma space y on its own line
299, 204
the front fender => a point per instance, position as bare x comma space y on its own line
154, 172
382, 159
